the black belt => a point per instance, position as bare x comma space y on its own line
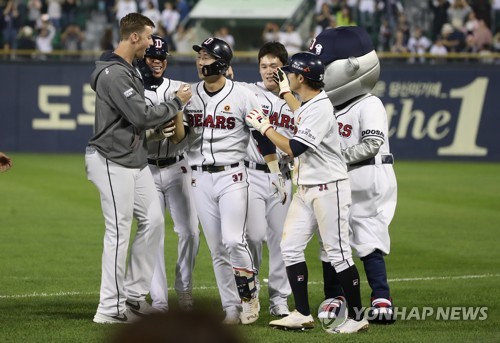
215, 169
257, 166
264, 168
165, 162
385, 159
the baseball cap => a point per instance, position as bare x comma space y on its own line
341, 43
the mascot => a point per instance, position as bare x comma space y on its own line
352, 69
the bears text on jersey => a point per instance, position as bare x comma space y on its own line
211, 121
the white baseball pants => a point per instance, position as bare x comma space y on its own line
125, 192
173, 184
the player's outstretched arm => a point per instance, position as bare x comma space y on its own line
260, 122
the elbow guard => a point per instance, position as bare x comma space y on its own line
266, 147
297, 147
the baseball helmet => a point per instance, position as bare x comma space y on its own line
306, 64
159, 48
222, 53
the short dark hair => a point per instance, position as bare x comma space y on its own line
316, 85
276, 49
133, 22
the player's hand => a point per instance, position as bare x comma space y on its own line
168, 130
280, 78
184, 93
279, 188
258, 120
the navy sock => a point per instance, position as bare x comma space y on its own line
349, 279
331, 281
376, 274
297, 276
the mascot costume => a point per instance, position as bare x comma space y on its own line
352, 70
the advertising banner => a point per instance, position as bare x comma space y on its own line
434, 111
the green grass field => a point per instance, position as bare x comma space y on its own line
444, 253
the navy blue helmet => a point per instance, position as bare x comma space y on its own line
218, 49
306, 64
159, 49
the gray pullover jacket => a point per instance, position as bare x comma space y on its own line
121, 113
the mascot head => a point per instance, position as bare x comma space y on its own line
352, 65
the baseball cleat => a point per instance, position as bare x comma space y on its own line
279, 310
232, 316
141, 308
350, 326
185, 300
250, 312
126, 317
294, 321
381, 311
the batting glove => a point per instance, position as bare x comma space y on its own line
258, 120
280, 78
279, 188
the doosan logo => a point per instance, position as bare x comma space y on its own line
372, 133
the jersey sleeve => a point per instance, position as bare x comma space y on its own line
372, 120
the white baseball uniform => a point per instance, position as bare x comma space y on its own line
266, 213
218, 136
323, 194
373, 182
172, 177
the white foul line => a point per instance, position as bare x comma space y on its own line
432, 278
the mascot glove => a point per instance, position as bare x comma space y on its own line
280, 78
258, 120
279, 188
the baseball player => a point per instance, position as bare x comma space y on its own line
172, 177
267, 212
351, 73
323, 194
218, 137
116, 162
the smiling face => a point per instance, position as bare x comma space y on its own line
267, 66
158, 64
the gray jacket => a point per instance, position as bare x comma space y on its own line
121, 113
